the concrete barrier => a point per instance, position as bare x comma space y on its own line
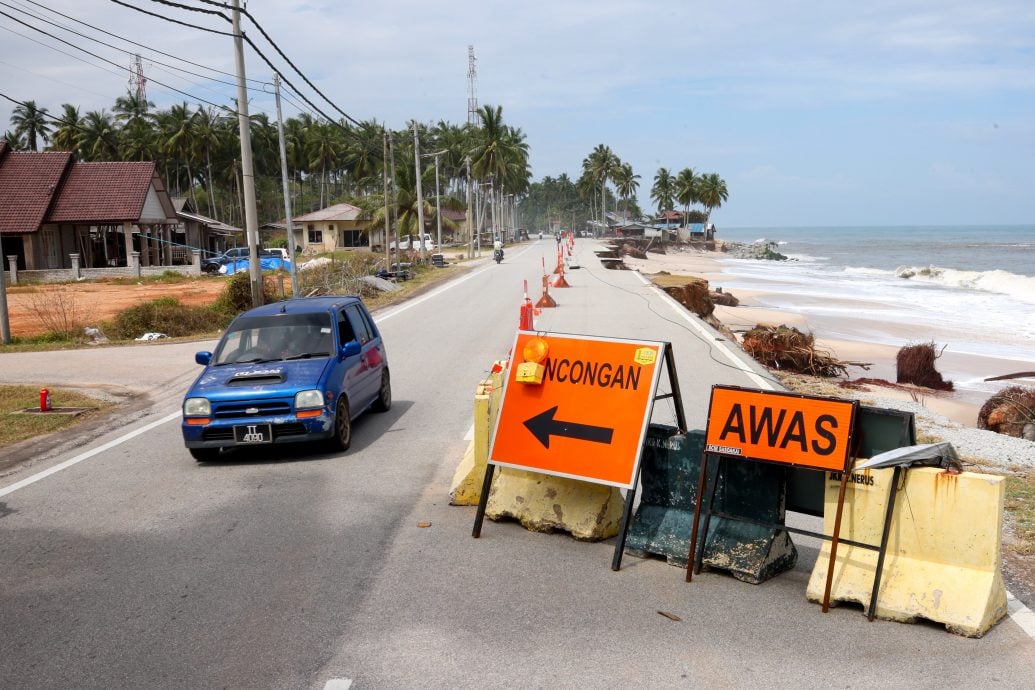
943, 557
466, 487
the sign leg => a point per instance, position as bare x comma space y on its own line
835, 536
623, 529
871, 613
713, 485
691, 557
483, 500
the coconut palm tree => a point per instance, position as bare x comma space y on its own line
207, 132
68, 133
99, 139
663, 192
712, 192
30, 121
600, 166
686, 191
626, 184
323, 152
178, 140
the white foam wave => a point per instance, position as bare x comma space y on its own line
1002, 282
860, 271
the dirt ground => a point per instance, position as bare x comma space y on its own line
31, 307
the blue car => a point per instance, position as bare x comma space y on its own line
289, 372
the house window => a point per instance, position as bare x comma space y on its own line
315, 236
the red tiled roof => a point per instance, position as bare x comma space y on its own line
28, 181
103, 192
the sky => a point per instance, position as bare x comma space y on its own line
818, 113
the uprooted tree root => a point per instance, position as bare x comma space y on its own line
788, 349
1009, 411
915, 364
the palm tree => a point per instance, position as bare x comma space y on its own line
69, 130
687, 182
30, 121
600, 166
626, 184
131, 109
664, 190
206, 139
99, 139
323, 152
712, 192
178, 135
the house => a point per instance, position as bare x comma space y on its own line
334, 227
58, 213
195, 231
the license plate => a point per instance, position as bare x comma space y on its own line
253, 433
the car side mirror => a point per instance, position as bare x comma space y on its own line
203, 358
351, 349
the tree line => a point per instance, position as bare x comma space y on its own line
197, 150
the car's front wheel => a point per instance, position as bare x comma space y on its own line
384, 394
342, 437
205, 454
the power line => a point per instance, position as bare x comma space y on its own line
170, 19
123, 50
61, 40
140, 45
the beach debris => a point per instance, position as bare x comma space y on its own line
725, 299
941, 454
630, 249
915, 364
1017, 375
694, 295
1010, 412
670, 616
788, 349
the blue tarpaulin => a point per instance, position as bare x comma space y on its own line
266, 263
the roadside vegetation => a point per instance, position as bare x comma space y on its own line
18, 427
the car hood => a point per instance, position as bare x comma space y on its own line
244, 380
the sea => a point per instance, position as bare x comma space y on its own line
968, 289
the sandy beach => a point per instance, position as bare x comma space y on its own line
846, 336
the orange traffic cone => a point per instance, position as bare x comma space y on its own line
559, 281
546, 300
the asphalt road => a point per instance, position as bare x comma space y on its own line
135, 566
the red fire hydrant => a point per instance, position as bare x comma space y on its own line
44, 400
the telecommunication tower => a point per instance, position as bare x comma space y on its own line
137, 80
472, 96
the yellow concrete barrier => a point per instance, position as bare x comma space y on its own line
943, 556
466, 487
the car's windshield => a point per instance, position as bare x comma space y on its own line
276, 337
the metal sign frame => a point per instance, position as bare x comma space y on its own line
696, 554
666, 356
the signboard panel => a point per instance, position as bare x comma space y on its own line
790, 429
588, 418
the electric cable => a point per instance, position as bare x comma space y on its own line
170, 19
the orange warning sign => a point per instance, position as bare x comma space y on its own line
793, 429
588, 416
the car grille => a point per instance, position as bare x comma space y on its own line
267, 408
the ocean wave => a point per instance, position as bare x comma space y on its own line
859, 270
998, 281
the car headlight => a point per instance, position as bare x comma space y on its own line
308, 400
197, 407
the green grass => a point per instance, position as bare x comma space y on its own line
1020, 504
18, 427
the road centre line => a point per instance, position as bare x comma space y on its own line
709, 337
87, 455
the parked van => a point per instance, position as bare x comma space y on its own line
408, 242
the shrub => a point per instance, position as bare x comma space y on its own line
915, 364
237, 295
1008, 411
166, 315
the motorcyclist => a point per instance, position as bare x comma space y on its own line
497, 250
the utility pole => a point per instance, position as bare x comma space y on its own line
438, 196
420, 194
251, 221
395, 196
5, 319
287, 191
470, 235
384, 176
492, 209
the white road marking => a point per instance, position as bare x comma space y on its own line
1021, 614
338, 684
709, 335
87, 455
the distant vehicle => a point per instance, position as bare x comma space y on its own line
409, 242
288, 372
214, 263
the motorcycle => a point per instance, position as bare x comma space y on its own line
497, 255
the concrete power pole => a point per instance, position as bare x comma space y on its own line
287, 189
384, 174
5, 319
420, 194
251, 221
470, 234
